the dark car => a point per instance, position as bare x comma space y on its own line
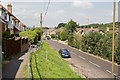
48, 38
64, 53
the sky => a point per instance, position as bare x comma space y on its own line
61, 11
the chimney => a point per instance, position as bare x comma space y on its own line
9, 7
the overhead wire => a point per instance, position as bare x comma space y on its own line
44, 5
46, 11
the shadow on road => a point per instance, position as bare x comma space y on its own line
10, 68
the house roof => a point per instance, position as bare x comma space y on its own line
14, 17
85, 30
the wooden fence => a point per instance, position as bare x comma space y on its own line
13, 46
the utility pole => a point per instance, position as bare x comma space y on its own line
41, 20
113, 37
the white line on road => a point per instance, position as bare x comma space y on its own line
81, 57
94, 64
74, 53
78, 56
110, 72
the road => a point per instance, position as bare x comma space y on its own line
89, 66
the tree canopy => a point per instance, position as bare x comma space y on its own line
61, 25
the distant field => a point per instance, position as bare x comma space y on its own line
50, 65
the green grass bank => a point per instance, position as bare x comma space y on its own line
47, 63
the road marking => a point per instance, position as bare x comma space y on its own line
94, 64
78, 56
110, 72
81, 57
74, 53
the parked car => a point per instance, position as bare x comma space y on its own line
64, 53
48, 38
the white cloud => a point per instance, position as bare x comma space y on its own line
4, 4
37, 15
82, 4
59, 12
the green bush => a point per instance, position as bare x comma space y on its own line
76, 42
63, 35
100, 44
53, 35
32, 35
6, 35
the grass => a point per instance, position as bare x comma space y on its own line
25, 72
52, 66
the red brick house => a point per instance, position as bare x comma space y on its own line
10, 23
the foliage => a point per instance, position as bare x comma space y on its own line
53, 36
61, 25
99, 44
90, 25
76, 42
37, 30
6, 35
32, 34
63, 35
102, 27
47, 63
117, 50
45, 27
70, 29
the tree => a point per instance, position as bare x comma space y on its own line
101, 45
63, 35
70, 28
33, 34
61, 25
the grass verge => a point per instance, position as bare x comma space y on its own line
47, 63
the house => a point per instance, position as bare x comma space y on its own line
9, 21
0, 34
119, 11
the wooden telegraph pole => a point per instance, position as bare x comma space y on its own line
113, 37
41, 20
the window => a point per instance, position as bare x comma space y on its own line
5, 17
0, 13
